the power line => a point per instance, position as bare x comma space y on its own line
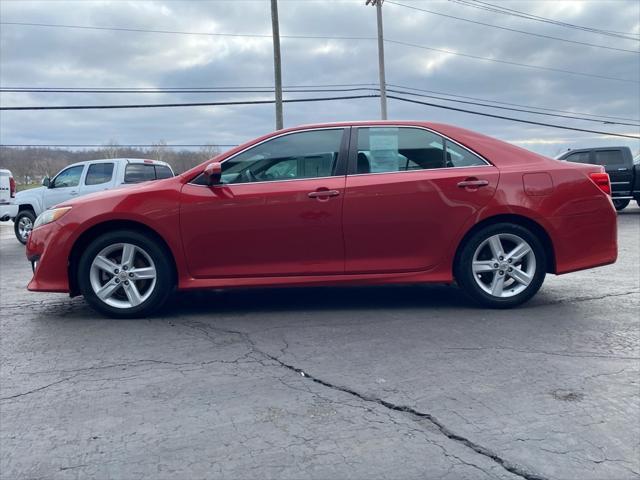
259, 102
513, 29
515, 104
572, 115
176, 90
193, 104
516, 13
520, 120
325, 37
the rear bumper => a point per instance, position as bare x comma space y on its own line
8, 211
586, 240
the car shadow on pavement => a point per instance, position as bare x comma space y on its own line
257, 300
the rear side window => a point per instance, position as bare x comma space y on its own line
609, 157
99, 173
460, 157
578, 157
393, 149
139, 172
163, 171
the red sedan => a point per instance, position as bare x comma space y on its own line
335, 204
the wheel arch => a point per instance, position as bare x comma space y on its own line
521, 220
96, 230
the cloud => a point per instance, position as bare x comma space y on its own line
31, 56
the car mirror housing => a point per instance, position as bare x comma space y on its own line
46, 182
213, 173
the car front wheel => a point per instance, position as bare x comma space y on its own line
502, 265
125, 274
23, 224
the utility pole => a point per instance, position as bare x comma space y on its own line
383, 83
277, 67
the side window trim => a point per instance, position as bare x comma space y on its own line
341, 167
353, 150
86, 174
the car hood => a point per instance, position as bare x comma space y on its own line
29, 193
119, 192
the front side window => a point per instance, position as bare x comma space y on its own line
310, 154
609, 157
68, 178
99, 173
393, 149
578, 157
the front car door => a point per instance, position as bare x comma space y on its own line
406, 199
277, 211
64, 186
619, 168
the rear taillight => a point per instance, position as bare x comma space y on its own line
601, 179
12, 187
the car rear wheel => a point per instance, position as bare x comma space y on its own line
125, 274
620, 204
502, 265
23, 224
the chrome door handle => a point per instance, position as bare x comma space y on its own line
323, 193
473, 183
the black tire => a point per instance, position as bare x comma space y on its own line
160, 291
466, 278
23, 215
620, 204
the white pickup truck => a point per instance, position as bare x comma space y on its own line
8, 208
81, 179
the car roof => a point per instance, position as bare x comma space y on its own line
127, 160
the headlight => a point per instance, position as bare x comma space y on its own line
49, 216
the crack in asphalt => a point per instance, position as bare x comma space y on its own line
416, 414
44, 387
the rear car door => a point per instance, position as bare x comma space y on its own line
99, 176
64, 186
276, 212
409, 192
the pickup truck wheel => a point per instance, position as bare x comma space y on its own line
23, 224
125, 274
501, 266
620, 204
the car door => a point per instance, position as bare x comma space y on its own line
409, 192
64, 186
276, 212
99, 177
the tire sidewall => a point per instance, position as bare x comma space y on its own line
16, 222
465, 276
620, 204
164, 273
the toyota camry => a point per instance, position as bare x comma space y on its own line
334, 204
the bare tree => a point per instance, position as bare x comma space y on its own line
159, 150
112, 149
208, 151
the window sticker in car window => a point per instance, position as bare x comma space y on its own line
384, 153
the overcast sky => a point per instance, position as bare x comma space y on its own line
67, 57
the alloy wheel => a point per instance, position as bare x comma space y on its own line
25, 225
123, 275
504, 265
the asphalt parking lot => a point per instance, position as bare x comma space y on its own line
383, 382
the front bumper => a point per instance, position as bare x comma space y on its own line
48, 251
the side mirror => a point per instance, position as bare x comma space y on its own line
213, 173
46, 181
